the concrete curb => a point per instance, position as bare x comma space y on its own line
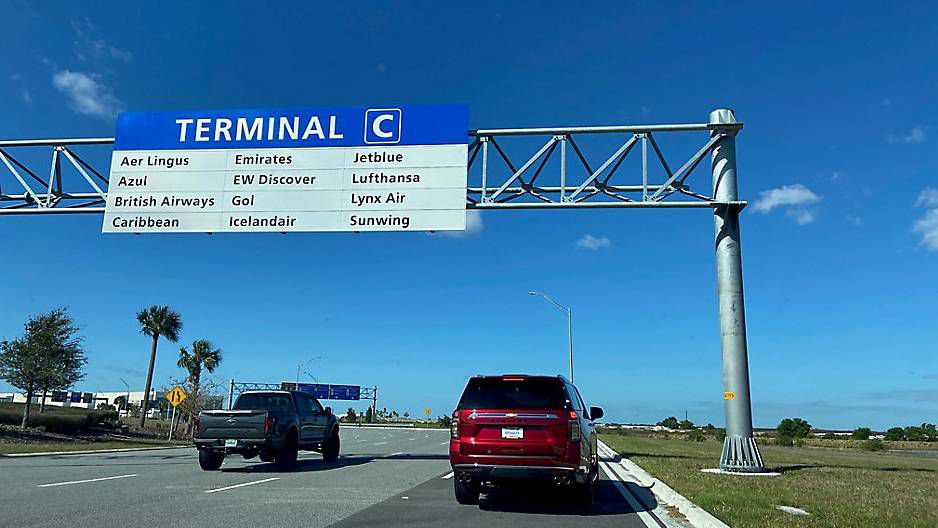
696, 515
90, 451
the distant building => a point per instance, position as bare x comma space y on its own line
91, 400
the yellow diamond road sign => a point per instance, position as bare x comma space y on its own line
176, 396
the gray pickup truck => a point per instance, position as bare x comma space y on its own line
272, 425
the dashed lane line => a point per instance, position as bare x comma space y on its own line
226, 488
84, 481
380, 443
447, 476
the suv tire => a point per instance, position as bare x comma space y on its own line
210, 460
286, 458
466, 492
330, 449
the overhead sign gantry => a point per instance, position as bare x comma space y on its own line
496, 181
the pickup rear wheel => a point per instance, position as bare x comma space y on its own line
286, 459
210, 460
330, 448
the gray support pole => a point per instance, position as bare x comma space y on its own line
231, 393
570, 339
740, 452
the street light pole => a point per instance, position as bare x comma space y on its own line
569, 312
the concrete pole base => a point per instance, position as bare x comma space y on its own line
741, 455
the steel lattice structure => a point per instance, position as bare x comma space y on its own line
505, 184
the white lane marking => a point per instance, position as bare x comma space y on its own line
216, 490
445, 443
380, 443
637, 507
84, 481
399, 453
448, 475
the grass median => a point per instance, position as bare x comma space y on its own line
839, 488
50, 447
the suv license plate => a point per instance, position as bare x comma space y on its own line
512, 433
231, 443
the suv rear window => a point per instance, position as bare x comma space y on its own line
267, 402
516, 393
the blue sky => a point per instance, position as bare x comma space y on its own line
838, 159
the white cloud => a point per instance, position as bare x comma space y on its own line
796, 198
800, 216
915, 135
927, 198
474, 225
593, 243
854, 220
927, 226
836, 175
86, 94
27, 97
788, 195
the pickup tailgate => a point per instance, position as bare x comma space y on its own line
239, 425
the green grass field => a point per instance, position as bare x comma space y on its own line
840, 488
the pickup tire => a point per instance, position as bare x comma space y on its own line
466, 492
330, 448
210, 460
286, 458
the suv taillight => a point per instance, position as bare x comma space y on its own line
454, 426
269, 423
574, 427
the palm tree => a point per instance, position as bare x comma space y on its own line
156, 321
203, 356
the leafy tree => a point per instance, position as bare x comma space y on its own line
895, 433
915, 434
203, 356
861, 433
685, 425
670, 422
406, 415
120, 402
156, 322
445, 421
49, 355
351, 415
793, 428
370, 415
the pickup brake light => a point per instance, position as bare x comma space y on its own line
269, 423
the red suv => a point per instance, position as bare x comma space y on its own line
519, 427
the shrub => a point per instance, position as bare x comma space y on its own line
695, 435
783, 440
895, 433
793, 428
861, 433
873, 445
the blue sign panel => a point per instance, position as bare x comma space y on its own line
293, 128
323, 391
75, 397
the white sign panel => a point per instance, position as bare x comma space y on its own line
339, 169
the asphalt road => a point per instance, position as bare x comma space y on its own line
383, 478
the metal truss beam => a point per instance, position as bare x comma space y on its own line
501, 183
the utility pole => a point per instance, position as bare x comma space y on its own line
740, 452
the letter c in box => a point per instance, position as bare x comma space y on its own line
382, 126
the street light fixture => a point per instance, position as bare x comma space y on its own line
569, 312
299, 367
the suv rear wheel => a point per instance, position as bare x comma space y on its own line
466, 492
